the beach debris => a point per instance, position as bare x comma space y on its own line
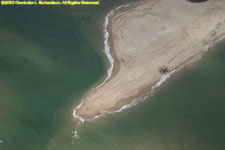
164, 70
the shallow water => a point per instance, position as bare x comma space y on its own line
49, 57
185, 113
44, 70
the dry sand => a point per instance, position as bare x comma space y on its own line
147, 36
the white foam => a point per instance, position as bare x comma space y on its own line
107, 47
207, 46
1, 141
76, 136
77, 116
163, 79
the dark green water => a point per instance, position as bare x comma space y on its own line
50, 56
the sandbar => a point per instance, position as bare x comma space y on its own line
146, 36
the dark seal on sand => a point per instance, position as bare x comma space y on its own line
197, 1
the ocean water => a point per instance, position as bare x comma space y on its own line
50, 56
187, 112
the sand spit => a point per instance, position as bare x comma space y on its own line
145, 37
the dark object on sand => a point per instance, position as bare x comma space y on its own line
164, 70
197, 1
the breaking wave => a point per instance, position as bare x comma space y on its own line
106, 45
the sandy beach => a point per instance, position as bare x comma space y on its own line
147, 36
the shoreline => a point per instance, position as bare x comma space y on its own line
145, 91
109, 52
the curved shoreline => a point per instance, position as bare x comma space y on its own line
108, 56
131, 102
